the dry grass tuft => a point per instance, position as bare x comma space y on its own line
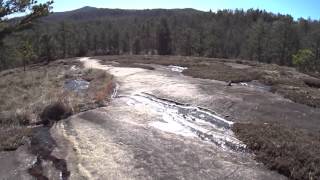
38, 96
101, 85
12, 138
293, 153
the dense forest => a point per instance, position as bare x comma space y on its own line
253, 34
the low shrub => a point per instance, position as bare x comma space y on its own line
55, 112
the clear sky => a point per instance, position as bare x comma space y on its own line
296, 8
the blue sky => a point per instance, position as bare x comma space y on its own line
296, 8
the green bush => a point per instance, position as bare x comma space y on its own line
304, 59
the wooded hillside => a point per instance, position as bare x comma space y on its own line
253, 34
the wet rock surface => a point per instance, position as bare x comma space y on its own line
117, 143
46, 166
163, 125
187, 120
145, 134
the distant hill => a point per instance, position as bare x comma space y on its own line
91, 13
252, 34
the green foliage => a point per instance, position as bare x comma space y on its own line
11, 7
9, 57
164, 38
27, 52
257, 41
62, 38
7, 27
47, 47
253, 34
136, 47
304, 59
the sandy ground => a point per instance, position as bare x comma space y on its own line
125, 140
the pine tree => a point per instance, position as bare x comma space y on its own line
9, 7
103, 42
125, 43
164, 38
47, 47
256, 41
62, 38
95, 44
136, 46
27, 52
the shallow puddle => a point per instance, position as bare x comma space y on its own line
256, 85
177, 68
77, 85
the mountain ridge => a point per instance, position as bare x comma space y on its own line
90, 13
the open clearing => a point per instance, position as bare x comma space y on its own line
261, 101
165, 122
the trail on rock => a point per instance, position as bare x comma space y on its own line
143, 134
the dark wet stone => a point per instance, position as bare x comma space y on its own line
42, 145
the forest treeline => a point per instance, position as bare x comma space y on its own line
253, 34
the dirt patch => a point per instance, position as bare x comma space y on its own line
293, 153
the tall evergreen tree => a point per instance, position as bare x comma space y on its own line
47, 47
251, 34
136, 46
27, 52
164, 38
62, 38
9, 7
257, 41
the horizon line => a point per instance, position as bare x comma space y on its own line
213, 10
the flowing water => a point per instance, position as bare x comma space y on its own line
187, 120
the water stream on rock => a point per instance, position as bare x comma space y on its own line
187, 120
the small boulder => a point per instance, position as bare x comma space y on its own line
229, 83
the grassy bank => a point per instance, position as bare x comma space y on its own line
292, 152
38, 96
